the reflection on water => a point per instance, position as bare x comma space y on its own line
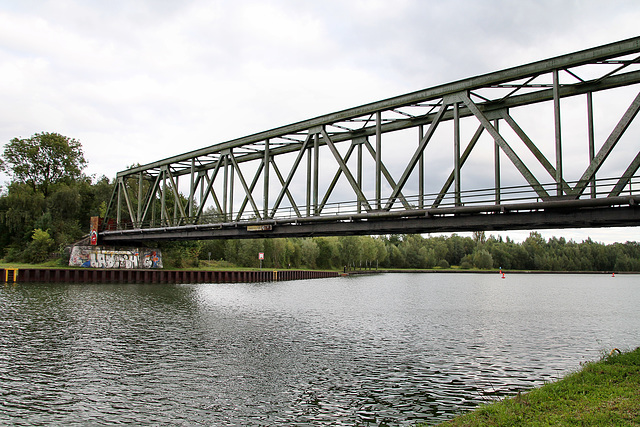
364, 350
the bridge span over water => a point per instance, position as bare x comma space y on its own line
550, 144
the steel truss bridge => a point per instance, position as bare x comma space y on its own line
485, 153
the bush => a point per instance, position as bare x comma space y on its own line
466, 265
13, 254
443, 263
39, 249
180, 254
483, 259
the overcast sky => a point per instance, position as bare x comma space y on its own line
140, 80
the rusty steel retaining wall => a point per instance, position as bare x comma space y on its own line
83, 275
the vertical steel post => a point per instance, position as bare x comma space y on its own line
232, 180
421, 170
496, 163
379, 160
192, 190
359, 172
591, 131
201, 176
316, 167
558, 131
139, 215
119, 203
456, 152
153, 208
163, 207
265, 196
225, 188
175, 201
309, 179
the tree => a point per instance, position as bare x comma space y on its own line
44, 159
40, 247
482, 259
248, 250
328, 251
479, 238
20, 207
410, 248
309, 252
350, 251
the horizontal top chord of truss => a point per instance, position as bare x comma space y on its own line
153, 195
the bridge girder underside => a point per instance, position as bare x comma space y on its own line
360, 171
495, 221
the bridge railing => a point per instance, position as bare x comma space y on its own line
521, 198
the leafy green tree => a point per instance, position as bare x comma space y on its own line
395, 258
213, 247
248, 250
40, 247
328, 252
381, 251
428, 257
483, 259
369, 247
443, 263
20, 208
180, 254
441, 248
309, 252
458, 247
410, 248
350, 251
535, 245
278, 252
466, 262
44, 159
96, 196
479, 238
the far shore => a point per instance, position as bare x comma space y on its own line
495, 271
363, 271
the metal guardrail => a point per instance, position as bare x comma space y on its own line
514, 198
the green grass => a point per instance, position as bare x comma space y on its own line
54, 263
203, 266
603, 393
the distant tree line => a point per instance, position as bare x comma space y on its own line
49, 201
413, 251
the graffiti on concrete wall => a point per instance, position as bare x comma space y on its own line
104, 257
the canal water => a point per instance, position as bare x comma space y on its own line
389, 349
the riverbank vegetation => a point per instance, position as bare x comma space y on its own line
603, 393
48, 203
418, 252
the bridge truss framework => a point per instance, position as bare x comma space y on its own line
251, 186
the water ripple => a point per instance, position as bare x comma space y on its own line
392, 349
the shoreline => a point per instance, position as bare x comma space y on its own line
154, 276
472, 271
602, 392
20, 274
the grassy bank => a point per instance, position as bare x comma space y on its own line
203, 266
603, 393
